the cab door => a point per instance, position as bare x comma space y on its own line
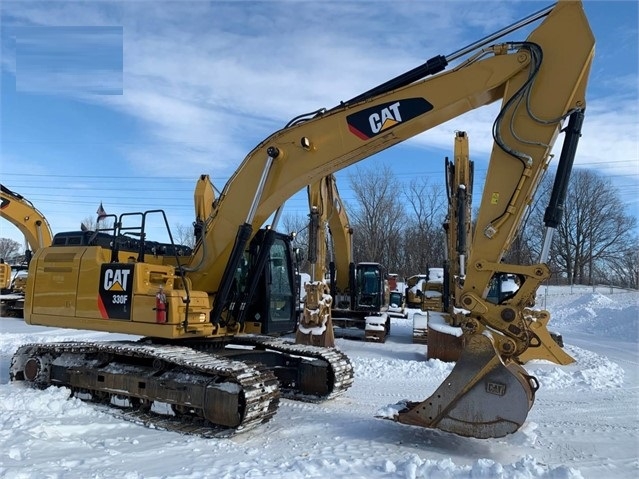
280, 288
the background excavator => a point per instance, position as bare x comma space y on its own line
192, 309
359, 293
396, 297
444, 341
434, 294
37, 233
414, 290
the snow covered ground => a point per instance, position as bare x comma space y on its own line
584, 423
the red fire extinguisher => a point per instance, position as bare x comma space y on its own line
160, 306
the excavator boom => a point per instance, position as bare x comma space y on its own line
27, 218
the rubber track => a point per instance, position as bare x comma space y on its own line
340, 366
259, 385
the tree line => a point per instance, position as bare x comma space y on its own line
401, 227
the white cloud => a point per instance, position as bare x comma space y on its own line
205, 79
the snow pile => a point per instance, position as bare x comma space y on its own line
614, 315
591, 371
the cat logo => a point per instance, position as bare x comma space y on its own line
388, 117
116, 279
116, 291
372, 121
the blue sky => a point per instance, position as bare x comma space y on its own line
128, 102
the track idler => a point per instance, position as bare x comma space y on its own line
482, 397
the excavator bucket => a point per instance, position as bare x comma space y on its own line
316, 325
482, 397
544, 345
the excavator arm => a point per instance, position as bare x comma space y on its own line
341, 235
328, 215
459, 184
26, 217
315, 325
445, 343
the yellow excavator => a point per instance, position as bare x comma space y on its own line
21, 212
316, 322
204, 317
355, 297
434, 294
444, 335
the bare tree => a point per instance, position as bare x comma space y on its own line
623, 270
183, 235
298, 224
423, 242
379, 217
593, 236
9, 248
90, 223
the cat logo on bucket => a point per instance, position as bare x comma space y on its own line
116, 291
372, 121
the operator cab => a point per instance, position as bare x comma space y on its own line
370, 287
273, 302
502, 287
